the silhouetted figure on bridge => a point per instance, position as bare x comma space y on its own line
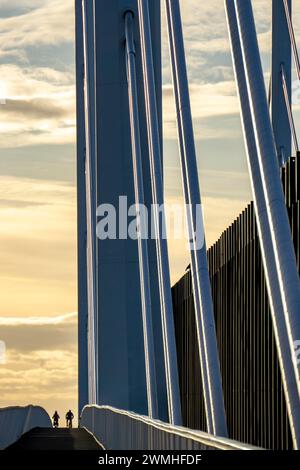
69, 418
55, 418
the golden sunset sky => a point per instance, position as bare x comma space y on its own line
38, 301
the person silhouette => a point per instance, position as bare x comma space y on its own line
55, 418
69, 418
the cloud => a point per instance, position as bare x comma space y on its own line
45, 377
47, 96
206, 36
38, 240
39, 108
17, 7
34, 109
41, 372
208, 101
212, 84
18, 203
41, 361
218, 215
38, 321
48, 22
46, 335
38, 217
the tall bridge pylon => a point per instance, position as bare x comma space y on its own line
112, 313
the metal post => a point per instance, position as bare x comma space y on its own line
281, 54
158, 199
207, 341
275, 204
140, 200
277, 310
91, 206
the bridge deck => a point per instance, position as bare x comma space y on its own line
56, 439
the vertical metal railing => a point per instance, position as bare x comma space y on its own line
255, 402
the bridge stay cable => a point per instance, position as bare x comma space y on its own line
264, 229
87, 17
170, 355
201, 350
273, 192
204, 313
289, 109
142, 224
292, 37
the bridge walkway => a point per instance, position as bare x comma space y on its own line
56, 439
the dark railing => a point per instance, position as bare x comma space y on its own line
254, 400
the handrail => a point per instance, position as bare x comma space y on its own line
17, 420
119, 430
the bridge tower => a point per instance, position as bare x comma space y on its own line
120, 378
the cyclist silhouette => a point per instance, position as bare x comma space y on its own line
69, 418
55, 418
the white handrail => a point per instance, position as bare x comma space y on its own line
17, 420
122, 430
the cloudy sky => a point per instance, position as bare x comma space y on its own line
37, 176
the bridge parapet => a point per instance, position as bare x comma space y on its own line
123, 430
16, 421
